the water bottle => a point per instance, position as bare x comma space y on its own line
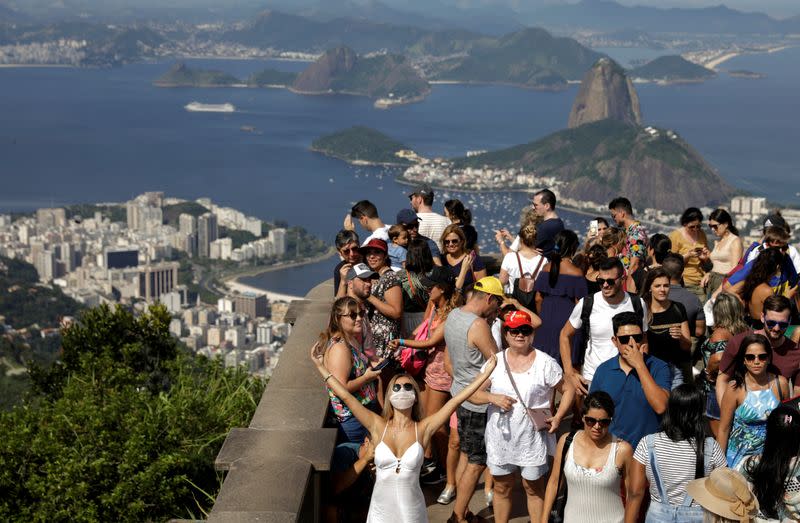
504, 424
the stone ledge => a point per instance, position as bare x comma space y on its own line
259, 447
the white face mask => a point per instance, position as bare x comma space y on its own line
403, 399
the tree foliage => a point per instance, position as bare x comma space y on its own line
125, 428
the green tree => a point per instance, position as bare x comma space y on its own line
125, 428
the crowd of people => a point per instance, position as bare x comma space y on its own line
612, 377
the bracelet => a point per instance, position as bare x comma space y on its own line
402, 342
327, 378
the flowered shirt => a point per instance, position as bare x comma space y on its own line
635, 244
366, 394
383, 327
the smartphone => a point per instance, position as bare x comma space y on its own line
540, 417
593, 228
381, 365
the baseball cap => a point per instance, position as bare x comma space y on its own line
725, 493
422, 189
775, 220
406, 216
490, 285
516, 319
437, 276
374, 243
360, 270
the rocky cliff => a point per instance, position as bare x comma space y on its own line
341, 70
605, 92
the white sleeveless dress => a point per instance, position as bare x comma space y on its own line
593, 495
397, 496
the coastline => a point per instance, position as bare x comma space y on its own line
357, 162
231, 281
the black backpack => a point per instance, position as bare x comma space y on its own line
586, 312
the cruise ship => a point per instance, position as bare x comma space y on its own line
210, 108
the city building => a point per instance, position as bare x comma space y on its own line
279, 241
157, 279
250, 304
207, 232
121, 258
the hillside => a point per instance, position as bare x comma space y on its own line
529, 58
361, 145
672, 68
271, 78
179, 75
605, 92
597, 160
341, 70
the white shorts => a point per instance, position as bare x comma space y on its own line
531, 473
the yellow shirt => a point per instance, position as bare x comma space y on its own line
692, 273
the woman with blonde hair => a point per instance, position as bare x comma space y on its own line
402, 434
343, 343
524, 261
454, 243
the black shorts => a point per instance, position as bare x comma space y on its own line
471, 431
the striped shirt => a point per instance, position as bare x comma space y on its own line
676, 461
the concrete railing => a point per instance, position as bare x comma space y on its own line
273, 466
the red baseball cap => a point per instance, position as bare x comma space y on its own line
516, 319
374, 243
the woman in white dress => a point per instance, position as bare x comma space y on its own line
402, 435
517, 441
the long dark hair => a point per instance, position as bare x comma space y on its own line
661, 245
419, 258
456, 210
684, 419
566, 245
767, 263
738, 366
722, 216
768, 473
646, 293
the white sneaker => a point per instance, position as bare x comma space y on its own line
447, 496
489, 497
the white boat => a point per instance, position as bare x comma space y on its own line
210, 108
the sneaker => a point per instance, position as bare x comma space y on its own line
434, 478
489, 497
428, 467
447, 496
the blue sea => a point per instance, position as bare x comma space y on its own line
86, 135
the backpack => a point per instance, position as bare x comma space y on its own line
586, 312
742, 261
523, 286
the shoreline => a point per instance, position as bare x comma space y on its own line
231, 281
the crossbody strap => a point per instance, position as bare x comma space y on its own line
519, 264
516, 390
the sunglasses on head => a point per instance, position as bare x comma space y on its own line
782, 325
752, 357
525, 330
452, 242
624, 339
354, 315
607, 281
590, 421
405, 386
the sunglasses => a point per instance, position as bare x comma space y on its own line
405, 386
624, 339
524, 330
412, 225
713, 226
695, 227
782, 325
607, 281
590, 421
349, 250
353, 315
451, 242
752, 357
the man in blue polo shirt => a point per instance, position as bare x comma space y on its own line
638, 383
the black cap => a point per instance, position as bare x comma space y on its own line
422, 190
438, 276
775, 220
406, 216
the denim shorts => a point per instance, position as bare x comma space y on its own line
471, 430
666, 513
531, 473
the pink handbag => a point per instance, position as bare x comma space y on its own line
413, 360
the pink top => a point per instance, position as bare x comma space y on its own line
435, 376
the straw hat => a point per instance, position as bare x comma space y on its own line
725, 493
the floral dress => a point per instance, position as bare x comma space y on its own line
383, 327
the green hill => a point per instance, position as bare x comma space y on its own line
179, 75
672, 68
361, 144
528, 58
600, 160
271, 77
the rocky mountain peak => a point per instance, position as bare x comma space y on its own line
319, 76
605, 92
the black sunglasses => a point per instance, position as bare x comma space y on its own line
405, 386
752, 357
604, 422
782, 325
524, 330
624, 339
354, 315
350, 250
609, 281
451, 242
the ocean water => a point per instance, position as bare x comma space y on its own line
73, 135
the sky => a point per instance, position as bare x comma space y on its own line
777, 8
